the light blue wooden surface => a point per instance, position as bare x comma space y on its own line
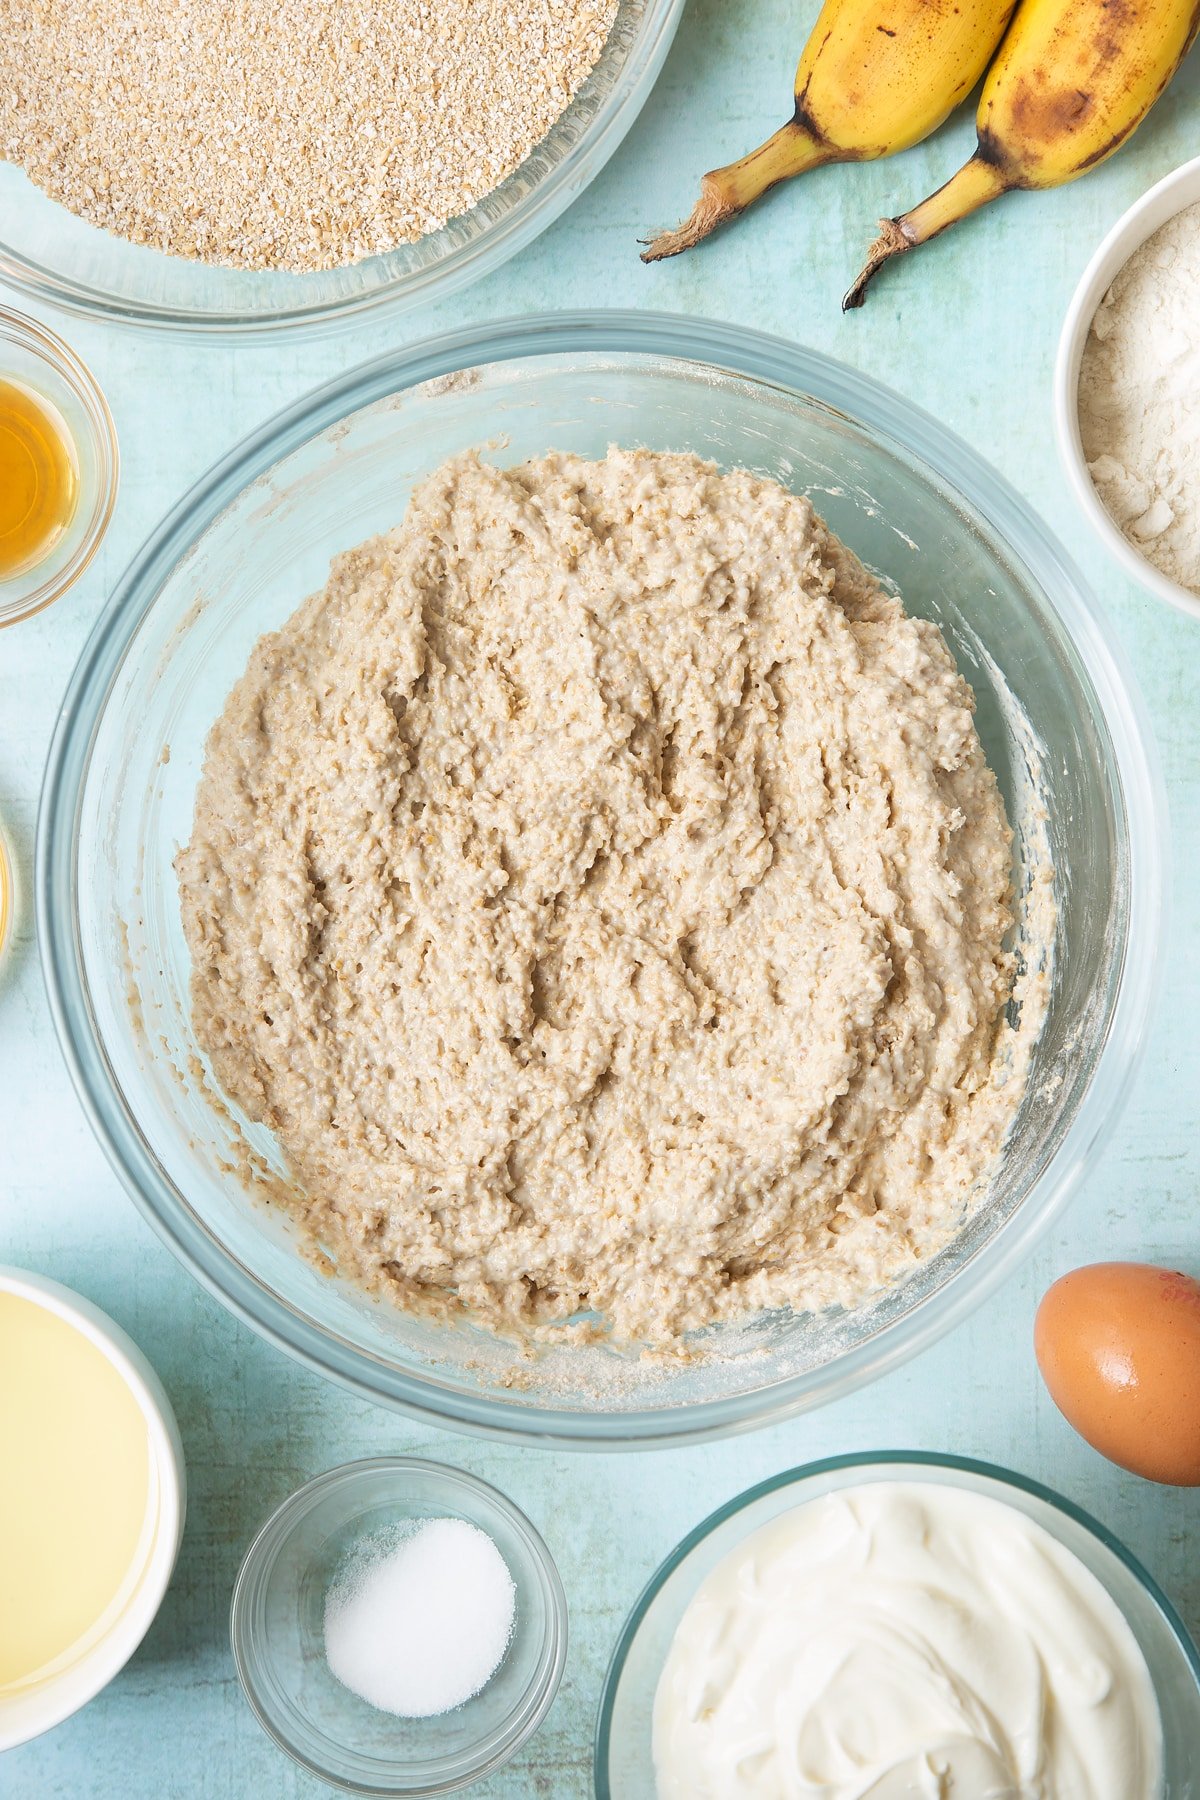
967, 329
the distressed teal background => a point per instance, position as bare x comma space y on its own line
968, 329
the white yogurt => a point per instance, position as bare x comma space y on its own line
905, 1641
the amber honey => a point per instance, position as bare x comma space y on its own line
39, 483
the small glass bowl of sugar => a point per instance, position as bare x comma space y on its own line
399, 1627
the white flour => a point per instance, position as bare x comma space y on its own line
1139, 399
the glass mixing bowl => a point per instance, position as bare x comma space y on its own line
277, 1628
40, 362
54, 257
624, 1759
256, 535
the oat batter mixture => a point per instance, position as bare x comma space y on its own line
601, 891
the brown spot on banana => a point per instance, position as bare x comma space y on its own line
990, 150
1043, 113
1095, 157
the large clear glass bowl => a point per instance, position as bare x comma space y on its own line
256, 535
56, 258
624, 1759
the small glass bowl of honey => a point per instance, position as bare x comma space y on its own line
58, 466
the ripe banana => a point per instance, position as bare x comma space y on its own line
875, 76
1071, 81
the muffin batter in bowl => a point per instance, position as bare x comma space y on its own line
601, 891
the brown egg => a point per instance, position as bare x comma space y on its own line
1118, 1345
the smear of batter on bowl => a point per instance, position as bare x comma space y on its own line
601, 891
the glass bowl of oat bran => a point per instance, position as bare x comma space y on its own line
223, 198
1059, 719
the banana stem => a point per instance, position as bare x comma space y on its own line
977, 182
724, 193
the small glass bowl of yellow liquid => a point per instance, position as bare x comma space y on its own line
58, 466
91, 1502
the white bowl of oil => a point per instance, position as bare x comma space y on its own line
91, 1504
58, 467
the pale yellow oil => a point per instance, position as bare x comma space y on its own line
39, 484
8, 895
74, 1488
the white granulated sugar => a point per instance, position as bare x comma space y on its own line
416, 1624
1139, 399
284, 134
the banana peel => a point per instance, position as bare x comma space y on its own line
1072, 81
875, 77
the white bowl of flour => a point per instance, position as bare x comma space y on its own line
1127, 390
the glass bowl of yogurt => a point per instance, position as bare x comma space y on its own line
1057, 715
893, 1623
